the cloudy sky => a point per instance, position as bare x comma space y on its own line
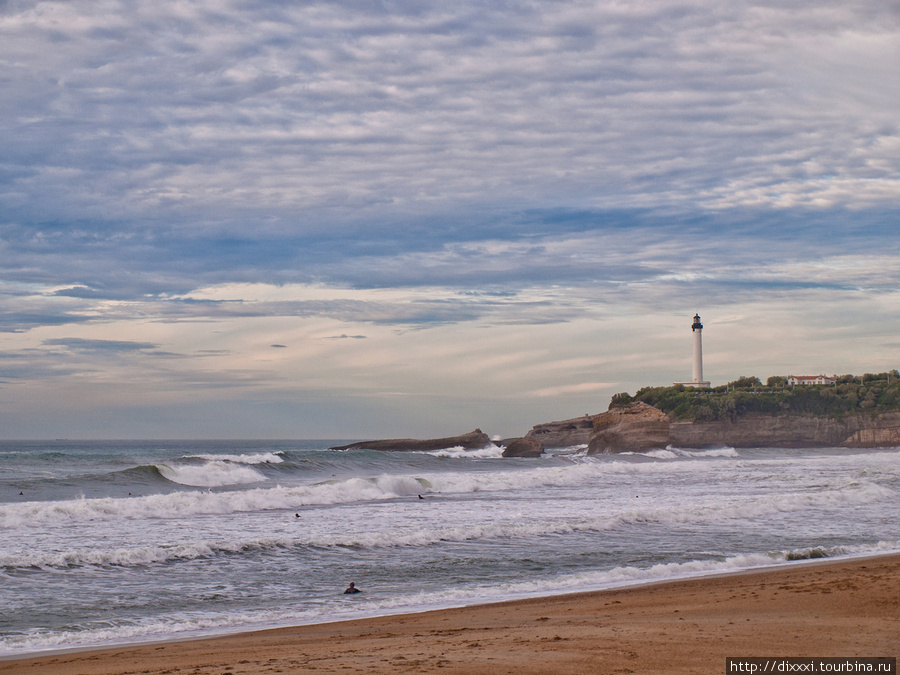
355, 219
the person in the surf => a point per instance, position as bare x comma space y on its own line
352, 589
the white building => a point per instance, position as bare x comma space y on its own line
697, 381
810, 379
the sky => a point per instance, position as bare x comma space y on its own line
365, 219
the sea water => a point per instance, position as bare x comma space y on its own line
116, 542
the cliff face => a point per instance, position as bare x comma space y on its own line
640, 426
563, 434
790, 431
630, 428
884, 433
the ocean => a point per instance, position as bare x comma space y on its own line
117, 542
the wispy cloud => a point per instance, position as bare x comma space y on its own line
102, 346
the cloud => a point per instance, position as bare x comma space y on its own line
16, 322
500, 188
581, 388
101, 346
348, 112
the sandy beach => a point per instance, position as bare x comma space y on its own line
829, 608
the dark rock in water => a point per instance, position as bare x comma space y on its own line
563, 434
523, 447
630, 428
471, 441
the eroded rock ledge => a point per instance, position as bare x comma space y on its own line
523, 447
471, 441
563, 434
630, 428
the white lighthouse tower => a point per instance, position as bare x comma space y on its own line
697, 380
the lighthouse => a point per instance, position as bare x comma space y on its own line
697, 380
697, 331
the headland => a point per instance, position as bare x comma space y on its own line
850, 411
853, 412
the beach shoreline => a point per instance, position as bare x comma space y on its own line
829, 607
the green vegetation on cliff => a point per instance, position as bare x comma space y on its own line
869, 393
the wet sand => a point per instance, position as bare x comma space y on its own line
832, 608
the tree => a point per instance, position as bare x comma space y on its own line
620, 399
745, 383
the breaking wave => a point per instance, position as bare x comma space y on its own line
487, 452
583, 471
671, 452
502, 528
215, 473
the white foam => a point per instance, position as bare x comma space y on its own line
671, 452
712, 452
658, 454
567, 450
39, 640
215, 473
488, 452
418, 528
632, 576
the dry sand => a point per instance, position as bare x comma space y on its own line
835, 608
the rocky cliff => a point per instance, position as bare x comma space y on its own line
639, 426
629, 428
791, 431
563, 434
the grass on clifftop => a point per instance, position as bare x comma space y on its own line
851, 395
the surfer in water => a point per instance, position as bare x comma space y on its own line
352, 589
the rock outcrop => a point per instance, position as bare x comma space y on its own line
563, 434
523, 447
791, 431
470, 441
630, 428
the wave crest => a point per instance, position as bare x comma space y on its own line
210, 474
